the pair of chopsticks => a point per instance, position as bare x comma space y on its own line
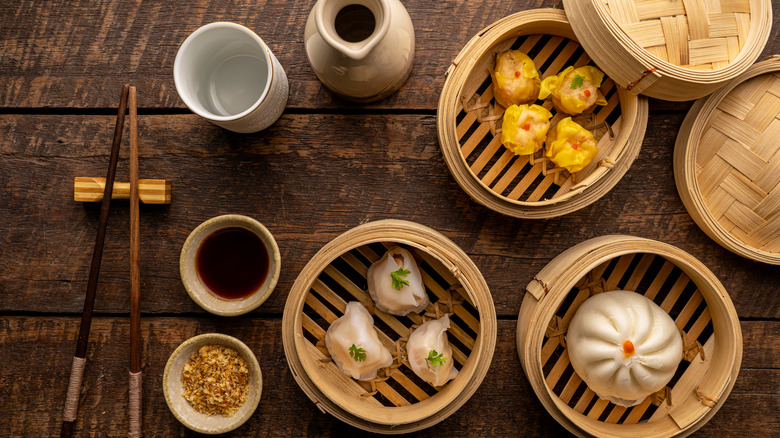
79, 359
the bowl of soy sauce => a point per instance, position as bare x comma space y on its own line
230, 264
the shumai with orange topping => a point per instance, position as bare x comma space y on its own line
570, 146
515, 79
574, 90
524, 128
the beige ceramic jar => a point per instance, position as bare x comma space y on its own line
362, 50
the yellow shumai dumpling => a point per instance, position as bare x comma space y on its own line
574, 89
515, 79
570, 146
525, 128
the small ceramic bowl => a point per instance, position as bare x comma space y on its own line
183, 410
200, 293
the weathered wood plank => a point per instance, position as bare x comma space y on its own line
308, 182
77, 55
38, 349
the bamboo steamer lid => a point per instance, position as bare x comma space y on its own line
727, 163
672, 49
397, 401
680, 285
469, 123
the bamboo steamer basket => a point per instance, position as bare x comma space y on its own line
397, 401
727, 163
679, 284
469, 123
672, 49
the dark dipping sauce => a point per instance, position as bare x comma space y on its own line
232, 262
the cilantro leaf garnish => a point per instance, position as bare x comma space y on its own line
435, 359
398, 281
359, 354
577, 82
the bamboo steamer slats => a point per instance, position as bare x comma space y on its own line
397, 401
469, 124
674, 280
727, 163
672, 49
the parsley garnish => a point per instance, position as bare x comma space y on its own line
435, 358
359, 354
399, 282
577, 82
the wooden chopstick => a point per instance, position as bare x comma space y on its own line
135, 277
79, 360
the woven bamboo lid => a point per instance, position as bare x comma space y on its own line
469, 122
681, 286
727, 163
672, 49
397, 401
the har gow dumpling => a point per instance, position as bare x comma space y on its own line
395, 283
354, 345
623, 346
430, 354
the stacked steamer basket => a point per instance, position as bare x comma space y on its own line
681, 286
727, 163
469, 123
397, 401
672, 49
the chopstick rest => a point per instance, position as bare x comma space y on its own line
150, 191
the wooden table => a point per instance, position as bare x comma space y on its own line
323, 168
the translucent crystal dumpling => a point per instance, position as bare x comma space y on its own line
430, 354
395, 283
354, 345
623, 346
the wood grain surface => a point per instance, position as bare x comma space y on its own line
504, 405
323, 168
58, 56
307, 183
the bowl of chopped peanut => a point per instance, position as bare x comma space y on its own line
212, 383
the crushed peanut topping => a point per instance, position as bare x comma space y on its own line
216, 380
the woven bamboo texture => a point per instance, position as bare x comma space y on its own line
711, 338
672, 49
530, 186
727, 164
700, 34
397, 400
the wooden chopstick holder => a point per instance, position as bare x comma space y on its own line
79, 360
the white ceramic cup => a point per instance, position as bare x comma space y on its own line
226, 74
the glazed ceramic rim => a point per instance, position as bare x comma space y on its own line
231, 423
382, 13
185, 96
201, 294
